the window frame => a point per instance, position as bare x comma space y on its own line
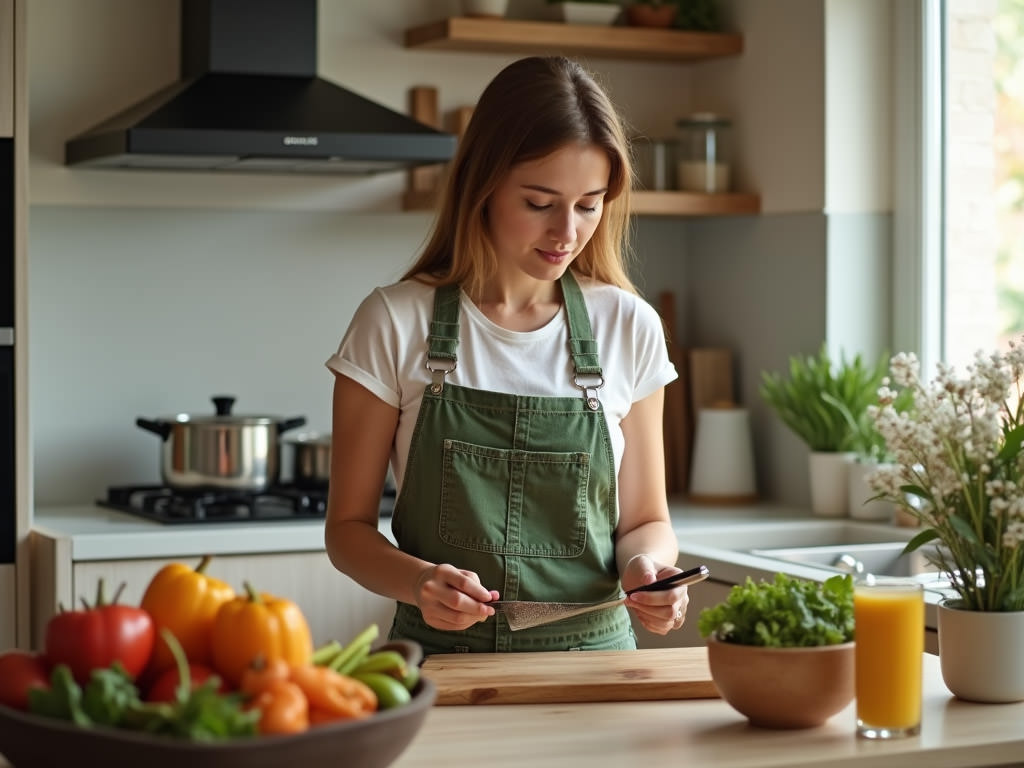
919, 193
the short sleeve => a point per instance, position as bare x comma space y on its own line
367, 352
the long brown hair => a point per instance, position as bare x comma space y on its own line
531, 108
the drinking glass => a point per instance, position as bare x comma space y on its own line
889, 647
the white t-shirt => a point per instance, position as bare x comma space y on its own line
385, 349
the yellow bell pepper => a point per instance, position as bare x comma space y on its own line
258, 626
185, 601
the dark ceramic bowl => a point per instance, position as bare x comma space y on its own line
32, 741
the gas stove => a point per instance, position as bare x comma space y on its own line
166, 505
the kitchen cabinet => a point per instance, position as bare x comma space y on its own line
334, 605
14, 486
660, 45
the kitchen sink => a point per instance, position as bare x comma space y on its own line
800, 534
878, 558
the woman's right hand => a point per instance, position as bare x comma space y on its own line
452, 599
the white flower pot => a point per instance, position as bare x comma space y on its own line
830, 483
585, 13
484, 8
980, 654
860, 493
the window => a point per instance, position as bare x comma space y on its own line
961, 214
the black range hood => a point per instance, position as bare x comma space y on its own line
249, 99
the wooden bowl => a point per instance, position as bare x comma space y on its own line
783, 687
28, 740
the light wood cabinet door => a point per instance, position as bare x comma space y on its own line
6, 68
334, 605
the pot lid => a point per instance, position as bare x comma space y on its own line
311, 438
222, 416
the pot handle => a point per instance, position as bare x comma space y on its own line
223, 404
161, 428
287, 424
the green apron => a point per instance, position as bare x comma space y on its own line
520, 489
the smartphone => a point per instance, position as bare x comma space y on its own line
692, 576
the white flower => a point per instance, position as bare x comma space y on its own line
957, 466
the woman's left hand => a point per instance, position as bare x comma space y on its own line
659, 612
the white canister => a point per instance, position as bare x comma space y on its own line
723, 457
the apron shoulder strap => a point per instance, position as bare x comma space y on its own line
581, 338
444, 327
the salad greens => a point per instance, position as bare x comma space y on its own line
110, 698
784, 613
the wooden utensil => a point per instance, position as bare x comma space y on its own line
570, 676
711, 384
678, 419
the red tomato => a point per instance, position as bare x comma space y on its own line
166, 683
100, 635
20, 671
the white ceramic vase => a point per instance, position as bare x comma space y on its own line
485, 8
861, 504
980, 654
830, 483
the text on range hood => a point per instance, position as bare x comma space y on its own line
249, 99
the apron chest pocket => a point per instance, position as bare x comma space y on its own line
550, 488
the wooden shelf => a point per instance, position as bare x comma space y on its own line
694, 204
460, 33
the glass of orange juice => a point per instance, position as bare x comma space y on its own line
888, 616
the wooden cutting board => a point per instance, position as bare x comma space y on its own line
570, 676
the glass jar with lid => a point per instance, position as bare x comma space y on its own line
703, 153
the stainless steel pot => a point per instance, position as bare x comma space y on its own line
220, 450
311, 459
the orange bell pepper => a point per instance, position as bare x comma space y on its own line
258, 625
185, 601
333, 696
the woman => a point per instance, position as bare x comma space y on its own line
527, 448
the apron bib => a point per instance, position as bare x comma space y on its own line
520, 489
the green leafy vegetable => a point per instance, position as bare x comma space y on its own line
787, 612
110, 698
109, 695
62, 701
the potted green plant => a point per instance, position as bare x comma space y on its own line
869, 451
697, 15
958, 468
781, 652
821, 401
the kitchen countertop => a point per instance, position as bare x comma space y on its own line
699, 733
708, 732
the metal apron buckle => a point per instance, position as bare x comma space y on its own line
589, 387
437, 374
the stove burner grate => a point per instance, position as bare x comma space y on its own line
165, 505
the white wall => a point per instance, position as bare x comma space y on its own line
151, 291
775, 92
